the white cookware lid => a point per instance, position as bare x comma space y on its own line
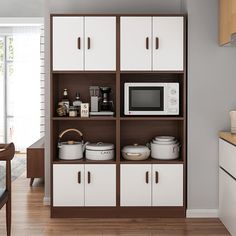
135, 148
164, 138
100, 146
70, 143
165, 143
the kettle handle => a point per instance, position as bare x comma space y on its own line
71, 130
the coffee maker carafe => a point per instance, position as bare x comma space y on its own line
106, 104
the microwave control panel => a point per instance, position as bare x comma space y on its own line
173, 98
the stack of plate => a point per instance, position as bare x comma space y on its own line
165, 148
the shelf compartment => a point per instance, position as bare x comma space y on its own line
81, 83
143, 131
93, 131
152, 78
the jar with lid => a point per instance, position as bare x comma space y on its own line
73, 111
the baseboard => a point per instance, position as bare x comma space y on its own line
46, 201
202, 213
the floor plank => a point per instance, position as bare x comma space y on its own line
31, 218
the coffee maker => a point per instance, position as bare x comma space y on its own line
106, 104
101, 105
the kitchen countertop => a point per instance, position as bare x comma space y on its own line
227, 136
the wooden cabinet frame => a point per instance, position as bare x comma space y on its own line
120, 129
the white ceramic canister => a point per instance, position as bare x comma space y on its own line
232, 115
100, 151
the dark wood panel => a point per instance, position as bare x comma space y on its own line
35, 163
121, 212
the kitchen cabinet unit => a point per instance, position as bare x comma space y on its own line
84, 185
100, 43
135, 183
135, 43
167, 185
168, 42
156, 43
109, 51
152, 185
227, 183
84, 43
227, 21
100, 185
68, 185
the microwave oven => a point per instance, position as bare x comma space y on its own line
151, 98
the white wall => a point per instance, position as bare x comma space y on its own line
211, 94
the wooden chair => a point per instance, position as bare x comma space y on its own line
7, 152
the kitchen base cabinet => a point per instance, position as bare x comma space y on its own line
135, 183
100, 187
84, 185
151, 185
68, 185
227, 201
167, 187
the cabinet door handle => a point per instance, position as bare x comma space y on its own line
147, 43
156, 177
79, 177
78, 43
147, 177
89, 43
89, 177
157, 43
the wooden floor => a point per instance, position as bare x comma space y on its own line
31, 218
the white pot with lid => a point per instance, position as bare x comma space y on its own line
135, 152
100, 151
165, 148
71, 150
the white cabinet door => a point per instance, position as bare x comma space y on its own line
227, 156
100, 185
135, 43
167, 187
68, 185
100, 43
227, 201
68, 36
168, 41
135, 185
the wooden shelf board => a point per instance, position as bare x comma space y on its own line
92, 118
83, 72
152, 161
153, 118
151, 72
83, 161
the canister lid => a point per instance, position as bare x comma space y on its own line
99, 146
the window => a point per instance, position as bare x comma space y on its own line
20, 85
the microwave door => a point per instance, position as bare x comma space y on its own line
146, 100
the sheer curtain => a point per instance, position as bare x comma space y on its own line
26, 86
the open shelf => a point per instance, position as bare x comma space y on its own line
93, 131
80, 83
143, 131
